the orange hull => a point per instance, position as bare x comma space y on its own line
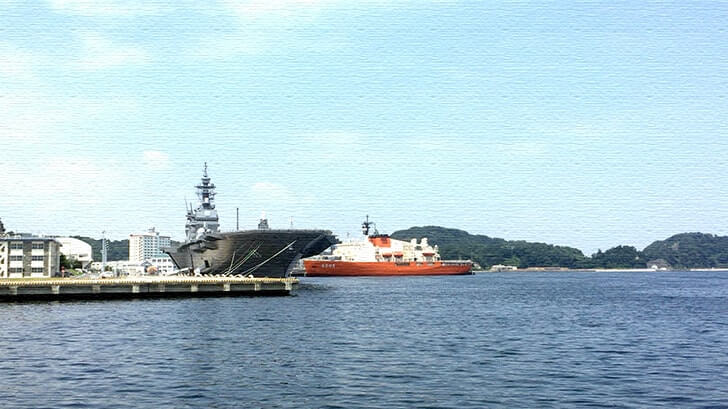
334, 268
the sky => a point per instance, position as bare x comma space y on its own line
586, 124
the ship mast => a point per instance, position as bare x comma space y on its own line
203, 220
367, 225
206, 191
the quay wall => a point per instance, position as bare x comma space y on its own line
136, 287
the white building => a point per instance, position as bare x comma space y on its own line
160, 266
29, 256
120, 267
147, 245
153, 266
75, 249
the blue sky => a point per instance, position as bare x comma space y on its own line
584, 124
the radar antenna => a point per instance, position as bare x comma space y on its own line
367, 225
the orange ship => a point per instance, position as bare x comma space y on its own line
381, 255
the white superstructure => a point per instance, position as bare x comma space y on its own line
384, 248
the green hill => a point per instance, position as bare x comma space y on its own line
690, 250
487, 251
687, 250
117, 249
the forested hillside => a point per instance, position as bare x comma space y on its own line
687, 250
691, 250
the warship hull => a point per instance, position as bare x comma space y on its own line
260, 253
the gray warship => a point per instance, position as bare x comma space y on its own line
264, 252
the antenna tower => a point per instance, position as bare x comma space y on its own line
104, 250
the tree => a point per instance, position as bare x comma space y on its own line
65, 262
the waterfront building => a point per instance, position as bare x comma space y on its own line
76, 250
119, 267
147, 245
160, 265
502, 267
24, 255
153, 266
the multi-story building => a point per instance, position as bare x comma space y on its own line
147, 245
23, 255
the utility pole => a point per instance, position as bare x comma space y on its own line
103, 251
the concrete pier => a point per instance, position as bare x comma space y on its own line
137, 287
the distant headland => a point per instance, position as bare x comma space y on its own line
681, 251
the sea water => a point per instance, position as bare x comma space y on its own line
545, 339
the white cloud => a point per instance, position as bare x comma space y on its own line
268, 194
61, 181
270, 191
105, 7
258, 8
334, 137
156, 160
14, 62
227, 47
100, 53
28, 118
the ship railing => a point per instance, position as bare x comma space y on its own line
457, 261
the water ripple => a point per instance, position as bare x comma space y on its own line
496, 340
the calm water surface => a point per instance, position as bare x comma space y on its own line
490, 340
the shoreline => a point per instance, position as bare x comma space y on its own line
598, 270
